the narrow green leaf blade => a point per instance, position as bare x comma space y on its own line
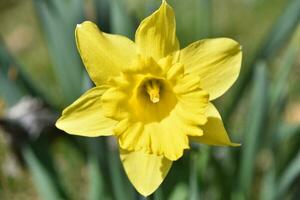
102, 8
282, 30
121, 21
268, 185
9, 89
9, 92
41, 177
286, 66
58, 19
287, 178
194, 193
255, 121
12, 88
180, 192
284, 26
97, 185
199, 17
286, 132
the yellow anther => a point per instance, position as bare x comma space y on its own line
153, 88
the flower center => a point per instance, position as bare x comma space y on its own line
152, 87
152, 100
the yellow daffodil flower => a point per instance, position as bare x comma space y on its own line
151, 95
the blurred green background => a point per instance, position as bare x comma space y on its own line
41, 73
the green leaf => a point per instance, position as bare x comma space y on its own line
42, 178
254, 124
58, 19
9, 86
286, 64
9, 92
199, 17
194, 193
288, 176
158, 194
279, 87
121, 21
204, 155
286, 132
285, 144
97, 185
180, 192
13, 88
274, 41
102, 14
268, 184
282, 30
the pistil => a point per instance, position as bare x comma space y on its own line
153, 89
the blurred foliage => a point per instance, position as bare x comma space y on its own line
38, 58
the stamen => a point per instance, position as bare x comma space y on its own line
153, 89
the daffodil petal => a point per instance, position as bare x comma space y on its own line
216, 61
167, 138
84, 117
214, 132
156, 35
103, 54
145, 171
